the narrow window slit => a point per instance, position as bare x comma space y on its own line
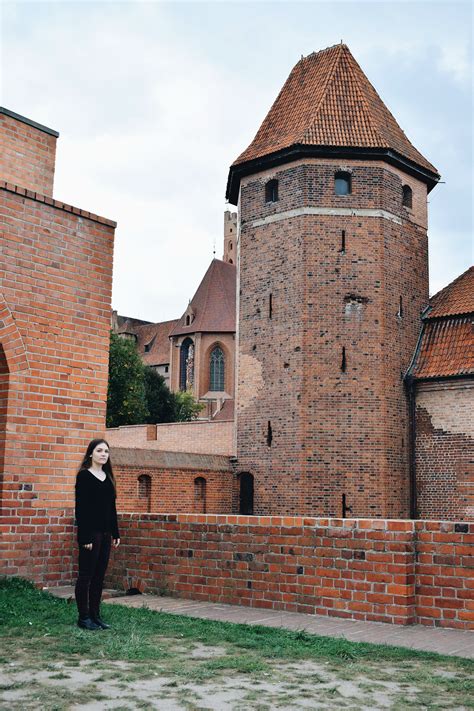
343, 241
269, 434
400, 308
343, 361
270, 306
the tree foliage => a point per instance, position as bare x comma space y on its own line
126, 402
160, 401
137, 394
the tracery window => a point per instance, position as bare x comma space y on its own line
217, 370
186, 365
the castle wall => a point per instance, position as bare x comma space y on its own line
168, 481
322, 374
197, 436
444, 449
368, 569
55, 292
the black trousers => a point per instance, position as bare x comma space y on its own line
92, 566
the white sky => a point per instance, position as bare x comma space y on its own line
154, 100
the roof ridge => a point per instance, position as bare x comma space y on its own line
329, 77
357, 83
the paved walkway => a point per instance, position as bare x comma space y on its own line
432, 639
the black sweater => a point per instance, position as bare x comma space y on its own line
95, 507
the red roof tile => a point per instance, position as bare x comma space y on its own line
328, 101
213, 305
152, 339
455, 299
446, 349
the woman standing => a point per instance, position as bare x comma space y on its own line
97, 528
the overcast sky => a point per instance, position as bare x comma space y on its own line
154, 100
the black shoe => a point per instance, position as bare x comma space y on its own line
100, 623
87, 624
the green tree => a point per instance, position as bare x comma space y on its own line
126, 402
186, 407
159, 399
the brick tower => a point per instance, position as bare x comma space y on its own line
333, 274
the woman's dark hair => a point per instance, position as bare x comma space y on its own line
107, 467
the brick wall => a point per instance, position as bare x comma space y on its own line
444, 449
151, 481
27, 153
388, 571
196, 437
321, 408
55, 293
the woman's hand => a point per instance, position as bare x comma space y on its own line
87, 546
116, 542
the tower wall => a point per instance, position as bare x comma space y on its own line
311, 428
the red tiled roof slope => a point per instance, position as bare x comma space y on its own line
214, 302
455, 299
446, 345
153, 335
447, 349
328, 101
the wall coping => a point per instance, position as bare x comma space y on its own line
39, 197
308, 521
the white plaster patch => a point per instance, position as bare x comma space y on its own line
450, 409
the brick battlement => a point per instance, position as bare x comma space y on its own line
393, 571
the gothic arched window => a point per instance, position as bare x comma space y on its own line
186, 365
342, 183
217, 368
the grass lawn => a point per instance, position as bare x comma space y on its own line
153, 660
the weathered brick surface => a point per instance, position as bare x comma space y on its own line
153, 481
55, 284
333, 432
27, 155
199, 437
359, 569
444, 450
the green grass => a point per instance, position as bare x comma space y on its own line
38, 632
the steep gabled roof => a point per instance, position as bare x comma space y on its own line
446, 346
213, 305
328, 103
152, 339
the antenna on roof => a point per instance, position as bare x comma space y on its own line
214, 248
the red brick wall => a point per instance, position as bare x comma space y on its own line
174, 490
171, 484
333, 432
198, 437
27, 155
387, 571
444, 450
56, 277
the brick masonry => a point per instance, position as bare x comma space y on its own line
444, 449
28, 154
399, 572
310, 428
55, 305
196, 437
151, 481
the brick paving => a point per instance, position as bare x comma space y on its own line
458, 643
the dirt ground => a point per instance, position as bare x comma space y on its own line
200, 678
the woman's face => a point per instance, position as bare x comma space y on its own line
100, 455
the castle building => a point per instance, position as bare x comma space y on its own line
333, 276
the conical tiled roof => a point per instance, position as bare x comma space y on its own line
327, 102
213, 305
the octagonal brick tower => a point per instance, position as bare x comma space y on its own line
333, 274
